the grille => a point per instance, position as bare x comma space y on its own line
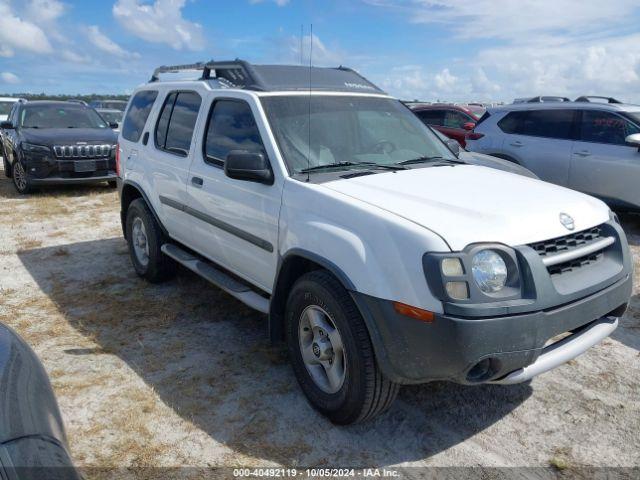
575, 240
563, 245
82, 151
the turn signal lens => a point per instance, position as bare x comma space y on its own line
452, 267
413, 312
458, 290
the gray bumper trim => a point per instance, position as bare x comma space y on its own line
563, 351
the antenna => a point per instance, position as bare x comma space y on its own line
301, 44
309, 121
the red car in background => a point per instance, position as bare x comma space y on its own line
454, 121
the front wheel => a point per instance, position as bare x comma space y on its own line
20, 178
331, 352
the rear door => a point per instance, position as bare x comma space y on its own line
168, 154
541, 140
237, 221
602, 163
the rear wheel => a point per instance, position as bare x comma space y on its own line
20, 178
331, 352
145, 239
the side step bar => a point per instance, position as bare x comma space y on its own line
220, 279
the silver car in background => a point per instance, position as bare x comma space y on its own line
588, 146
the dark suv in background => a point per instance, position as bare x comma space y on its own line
46, 142
455, 121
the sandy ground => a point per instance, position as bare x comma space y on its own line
182, 374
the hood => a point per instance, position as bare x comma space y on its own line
68, 136
467, 204
494, 162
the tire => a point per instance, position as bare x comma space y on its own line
112, 184
145, 238
364, 392
20, 178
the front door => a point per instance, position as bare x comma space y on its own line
602, 163
241, 217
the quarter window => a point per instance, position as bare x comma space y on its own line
137, 114
605, 127
231, 127
177, 121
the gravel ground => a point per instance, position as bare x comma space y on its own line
181, 374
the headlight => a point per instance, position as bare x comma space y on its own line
489, 271
33, 148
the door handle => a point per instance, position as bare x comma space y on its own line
583, 153
197, 181
517, 144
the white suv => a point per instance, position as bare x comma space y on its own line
381, 259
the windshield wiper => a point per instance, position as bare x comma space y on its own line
393, 167
436, 160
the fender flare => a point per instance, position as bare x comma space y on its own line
280, 292
123, 213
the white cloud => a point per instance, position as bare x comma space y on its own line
280, 3
17, 34
160, 22
105, 44
554, 47
44, 11
8, 77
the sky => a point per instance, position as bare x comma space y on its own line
454, 50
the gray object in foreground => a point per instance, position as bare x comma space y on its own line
32, 439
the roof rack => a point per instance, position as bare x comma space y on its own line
241, 74
547, 98
586, 98
237, 73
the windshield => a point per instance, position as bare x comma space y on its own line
115, 117
5, 107
348, 130
57, 116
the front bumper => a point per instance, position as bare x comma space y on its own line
481, 350
49, 170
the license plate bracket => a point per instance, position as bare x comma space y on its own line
84, 166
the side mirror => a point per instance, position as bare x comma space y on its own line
469, 126
454, 146
113, 125
6, 125
252, 167
633, 139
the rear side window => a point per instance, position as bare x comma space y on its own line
605, 127
231, 126
548, 123
174, 130
431, 117
137, 114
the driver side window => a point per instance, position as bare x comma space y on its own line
231, 126
605, 127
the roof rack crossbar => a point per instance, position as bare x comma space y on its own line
586, 98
